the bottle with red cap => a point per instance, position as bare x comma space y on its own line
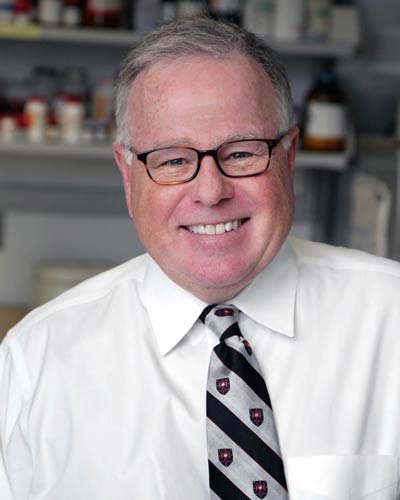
103, 13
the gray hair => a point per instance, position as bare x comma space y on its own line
199, 35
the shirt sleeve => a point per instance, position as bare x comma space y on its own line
15, 457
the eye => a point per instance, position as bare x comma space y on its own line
173, 162
238, 155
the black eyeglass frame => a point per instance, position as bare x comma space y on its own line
272, 143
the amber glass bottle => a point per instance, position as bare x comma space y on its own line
324, 127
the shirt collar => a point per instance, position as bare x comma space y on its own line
268, 300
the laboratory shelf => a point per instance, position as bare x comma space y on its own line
128, 38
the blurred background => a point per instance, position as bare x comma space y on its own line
62, 210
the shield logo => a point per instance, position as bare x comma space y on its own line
223, 385
256, 416
247, 347
226, 311
225, 456
260, 489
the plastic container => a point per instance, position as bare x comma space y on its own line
289, 20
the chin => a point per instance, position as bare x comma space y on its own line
217, 282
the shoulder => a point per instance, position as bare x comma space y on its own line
322, 257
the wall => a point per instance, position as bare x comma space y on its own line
31, 237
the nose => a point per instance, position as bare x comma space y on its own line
210, 186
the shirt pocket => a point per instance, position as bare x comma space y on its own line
372, 477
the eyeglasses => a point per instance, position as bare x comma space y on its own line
176, 165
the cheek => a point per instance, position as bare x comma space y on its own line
152, 207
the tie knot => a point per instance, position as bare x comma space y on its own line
221, 317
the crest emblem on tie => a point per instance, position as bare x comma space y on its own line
223, 385
260, 488
225, 456
256, 416
247, 347
225, 311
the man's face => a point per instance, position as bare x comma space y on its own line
202, 102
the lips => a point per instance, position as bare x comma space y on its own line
220, 228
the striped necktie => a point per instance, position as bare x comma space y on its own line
244, 457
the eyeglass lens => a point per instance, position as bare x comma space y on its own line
236, 159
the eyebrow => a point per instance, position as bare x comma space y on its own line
186, 141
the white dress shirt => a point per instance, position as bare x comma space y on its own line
102, 391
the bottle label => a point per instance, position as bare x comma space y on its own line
326, 120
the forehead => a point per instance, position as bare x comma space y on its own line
199, 92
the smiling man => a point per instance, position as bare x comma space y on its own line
230, 361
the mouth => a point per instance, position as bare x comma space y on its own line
220, 228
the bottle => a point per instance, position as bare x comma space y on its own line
325, 123
259, 16
71, 14
23, 11
71, 120
318, 19
36, 118
49, 12
8, 127
289, 15
74, 88
230, 10
103, 13
103, 101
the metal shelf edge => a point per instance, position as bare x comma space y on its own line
128, 38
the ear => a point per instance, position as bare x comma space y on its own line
122, 160
293, 139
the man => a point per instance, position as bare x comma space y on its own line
103, 390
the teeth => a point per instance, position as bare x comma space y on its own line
212, 229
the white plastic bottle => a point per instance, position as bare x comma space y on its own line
36, 119
289, 16
318, 19
71, 119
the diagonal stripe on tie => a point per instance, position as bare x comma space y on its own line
243, 470
236, 362
222, 486
239, 401
246, 439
